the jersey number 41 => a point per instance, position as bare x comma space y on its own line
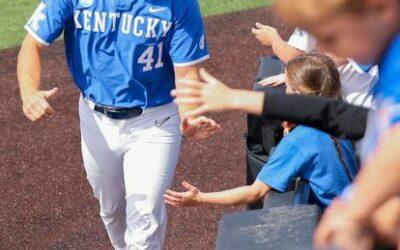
147, 58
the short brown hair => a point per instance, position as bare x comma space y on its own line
314, 74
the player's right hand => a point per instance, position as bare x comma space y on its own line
36, 106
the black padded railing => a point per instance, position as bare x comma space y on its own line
286, 227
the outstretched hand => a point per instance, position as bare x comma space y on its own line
210, 95
183, 199
200, 127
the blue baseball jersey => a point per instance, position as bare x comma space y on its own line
387, 96
122, 53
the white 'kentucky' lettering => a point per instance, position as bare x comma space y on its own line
37, 16
139, 26
99, 21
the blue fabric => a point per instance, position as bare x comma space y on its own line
387, 96
122, 53
365, 67
310, 154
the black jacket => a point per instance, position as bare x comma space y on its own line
335, 117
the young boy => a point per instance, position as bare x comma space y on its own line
338, 25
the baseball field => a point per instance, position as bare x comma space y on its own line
46, 202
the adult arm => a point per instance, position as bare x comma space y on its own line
45, 25
376, 187
381, 173
29, 68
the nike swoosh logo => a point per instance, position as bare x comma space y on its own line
154, 10
161, 122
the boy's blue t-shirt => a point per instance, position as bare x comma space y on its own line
310, 154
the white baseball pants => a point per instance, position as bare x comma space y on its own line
129, 164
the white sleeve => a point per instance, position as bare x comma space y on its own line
301, 40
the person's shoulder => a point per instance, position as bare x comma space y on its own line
303, 137
182, 8
302, 132
182, 5
390, 62
69, 3
389, 73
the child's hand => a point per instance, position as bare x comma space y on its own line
274, 81
182, 199
267, 35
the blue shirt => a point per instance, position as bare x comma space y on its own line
310, 154
122, 53
387, 96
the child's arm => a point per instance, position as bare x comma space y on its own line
236, 196
214, 96
270, 37
333, 116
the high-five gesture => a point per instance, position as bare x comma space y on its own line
36, 105
183, 199
211, 95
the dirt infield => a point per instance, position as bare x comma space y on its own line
46, 202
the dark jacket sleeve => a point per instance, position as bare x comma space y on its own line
335, 117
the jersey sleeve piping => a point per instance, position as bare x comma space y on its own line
194, 62
35, 36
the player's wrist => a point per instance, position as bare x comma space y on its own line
28, 94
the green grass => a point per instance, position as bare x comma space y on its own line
14, 14
213, 7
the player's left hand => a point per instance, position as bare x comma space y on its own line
338, 230
200, 127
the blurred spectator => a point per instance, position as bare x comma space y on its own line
367, 31
357, 79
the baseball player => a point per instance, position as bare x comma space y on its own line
124, 56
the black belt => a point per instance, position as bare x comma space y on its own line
118, 113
